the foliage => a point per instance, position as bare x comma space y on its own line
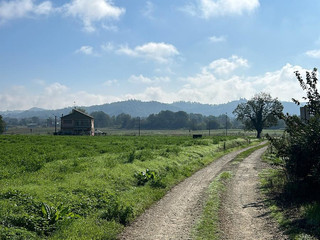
148, 176
299, 219
258, 113
2, 125
299, 147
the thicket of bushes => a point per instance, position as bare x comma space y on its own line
299, 147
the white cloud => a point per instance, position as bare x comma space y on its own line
148, 10
216, 39
91, 11
15, 9
55, 88
154, 94
107, 47
159, 52
207, 87
87, 50
217, 8
110, 83
313, 53
53, 96
225, 66
145, 80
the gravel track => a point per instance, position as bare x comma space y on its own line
243, 214
175, 214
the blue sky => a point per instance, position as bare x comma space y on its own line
60, 53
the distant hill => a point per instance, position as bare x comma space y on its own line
137, 108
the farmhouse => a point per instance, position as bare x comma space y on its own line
77, 123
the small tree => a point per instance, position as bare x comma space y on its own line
260, 112
2, 125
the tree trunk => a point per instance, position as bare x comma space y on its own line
259, 133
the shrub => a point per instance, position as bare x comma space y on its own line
149, 176
299, 147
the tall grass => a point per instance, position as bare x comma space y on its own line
89, 183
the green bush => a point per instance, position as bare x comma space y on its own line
299, 147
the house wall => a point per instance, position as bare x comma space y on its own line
77, 123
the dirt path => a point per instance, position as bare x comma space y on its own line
243, 215
174, 215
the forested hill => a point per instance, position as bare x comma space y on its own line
137, 108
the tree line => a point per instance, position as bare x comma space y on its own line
164, 120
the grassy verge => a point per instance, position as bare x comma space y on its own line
89, 188
208, 228
299, 219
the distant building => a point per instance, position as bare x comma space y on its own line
77, 123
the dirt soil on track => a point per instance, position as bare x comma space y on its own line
174, 216
243, 214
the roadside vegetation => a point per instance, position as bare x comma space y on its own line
292, 183
65, 187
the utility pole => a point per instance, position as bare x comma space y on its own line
226, 124
55, 124
139, 125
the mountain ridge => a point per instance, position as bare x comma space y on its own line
137, 108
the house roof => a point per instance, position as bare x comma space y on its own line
78, 113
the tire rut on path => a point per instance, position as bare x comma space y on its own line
243, 214
173, 216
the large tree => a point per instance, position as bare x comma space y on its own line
2, 125
260, 112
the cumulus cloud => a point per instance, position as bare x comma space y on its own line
91, 11
225, 66
159, 52
207, 87
313, 53
217, 8
15, 9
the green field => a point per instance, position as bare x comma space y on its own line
67, 187
135, 132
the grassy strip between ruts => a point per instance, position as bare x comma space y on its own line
51, 191
208, 227
299, 220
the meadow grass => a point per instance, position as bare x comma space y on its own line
67, 187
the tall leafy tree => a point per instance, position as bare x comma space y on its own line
2, 125
260, 112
